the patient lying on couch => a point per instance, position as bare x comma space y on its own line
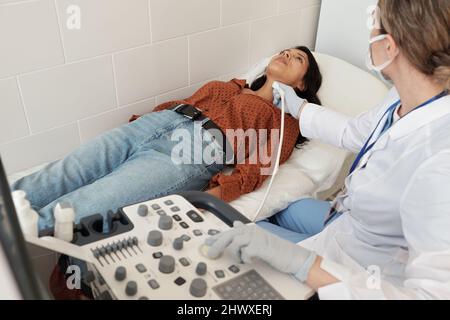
140, 161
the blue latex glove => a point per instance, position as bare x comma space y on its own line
246, 242
293, 101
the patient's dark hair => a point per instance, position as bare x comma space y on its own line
312, 80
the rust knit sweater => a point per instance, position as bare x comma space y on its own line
229, 108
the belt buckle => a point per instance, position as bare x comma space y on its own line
195, 115
189, 111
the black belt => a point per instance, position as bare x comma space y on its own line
191, 112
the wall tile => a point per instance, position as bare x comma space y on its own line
9, 1
173, 18
37, 149
234, 11
308, 29
106, 26
13, 124
271, 35
292, 5
64, 94
94, 126
148, 71
218, 52
179, 94
29, 37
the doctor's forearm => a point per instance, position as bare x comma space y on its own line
318, 277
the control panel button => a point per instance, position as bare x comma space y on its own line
178, 243
120, 274
201, 268
156, 206
141, 268
180, 281
143, 298
176, 217
161, 212
168, 202
165, 222
157, 255
155, 238
184, 262
167, 264
213, 232
204, 248
198, 288
194, 216
143, 210
234, 269
131, 288
184, 225
220, 274
185, 237
175, 209
198, 233
130, 242
153, 284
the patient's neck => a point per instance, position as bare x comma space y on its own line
266, 92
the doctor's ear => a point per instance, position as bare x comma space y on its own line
391, 47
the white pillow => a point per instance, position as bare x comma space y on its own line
316, 166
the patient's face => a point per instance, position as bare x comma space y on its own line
289, 67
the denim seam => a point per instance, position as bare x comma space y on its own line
183, 182
161, 131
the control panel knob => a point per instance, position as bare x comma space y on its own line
165, 222
155, 238
143, 210
198, 287
201, 269
178, 243
131, 288
167, 264
120, 274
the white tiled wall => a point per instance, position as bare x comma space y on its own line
60, 87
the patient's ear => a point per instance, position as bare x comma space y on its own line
301, 86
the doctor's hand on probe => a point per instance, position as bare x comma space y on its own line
293, 102
246, 242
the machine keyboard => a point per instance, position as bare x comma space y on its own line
248, 286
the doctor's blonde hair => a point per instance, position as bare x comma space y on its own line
421, 29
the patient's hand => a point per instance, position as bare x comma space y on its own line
216, 192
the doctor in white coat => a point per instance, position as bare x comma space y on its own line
392, 237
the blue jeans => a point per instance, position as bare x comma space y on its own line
127, 165
300, 221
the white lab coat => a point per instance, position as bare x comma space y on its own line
397, 208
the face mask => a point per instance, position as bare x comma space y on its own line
378, 69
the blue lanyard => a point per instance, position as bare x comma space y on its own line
389, 121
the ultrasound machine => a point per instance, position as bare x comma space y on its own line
154, 250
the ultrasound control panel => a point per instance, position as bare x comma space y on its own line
164, 257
